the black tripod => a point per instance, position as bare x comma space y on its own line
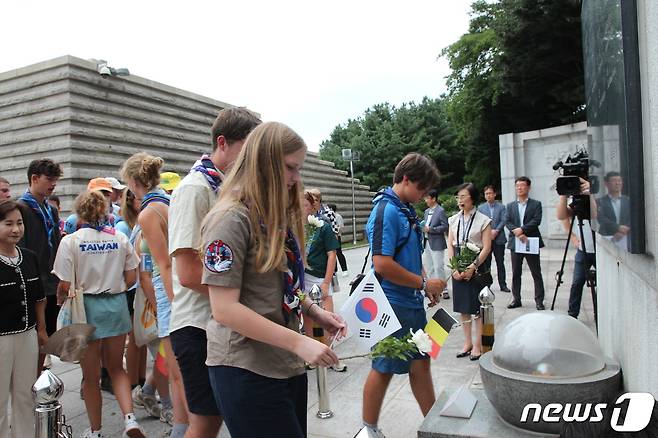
580, 212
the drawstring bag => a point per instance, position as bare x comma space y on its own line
145, 325
73, 309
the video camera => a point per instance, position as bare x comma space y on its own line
575, 166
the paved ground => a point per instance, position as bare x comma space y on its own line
400, 414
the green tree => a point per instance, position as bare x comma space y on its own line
518, 68
385, 134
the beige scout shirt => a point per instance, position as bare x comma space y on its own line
480, 222
228, 261
190, 202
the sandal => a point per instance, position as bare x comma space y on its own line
464, 353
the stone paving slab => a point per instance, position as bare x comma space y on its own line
401, 417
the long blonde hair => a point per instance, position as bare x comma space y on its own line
257, 179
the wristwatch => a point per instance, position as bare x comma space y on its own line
424, 286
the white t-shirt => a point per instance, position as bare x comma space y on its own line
190, 202
100, 260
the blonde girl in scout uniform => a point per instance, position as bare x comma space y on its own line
253, 266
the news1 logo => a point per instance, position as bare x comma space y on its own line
638, 413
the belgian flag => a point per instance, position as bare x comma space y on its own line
438, 328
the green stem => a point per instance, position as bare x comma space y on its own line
356, 356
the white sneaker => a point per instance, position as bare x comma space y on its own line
89, 434
47, 362
133, 430
373, 433
167, 416
146, 401
340, 367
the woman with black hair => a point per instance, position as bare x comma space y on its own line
22, 324
468, 229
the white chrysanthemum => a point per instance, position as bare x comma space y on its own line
473, 247
316, 222
421, 340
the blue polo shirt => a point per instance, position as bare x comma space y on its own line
388, 228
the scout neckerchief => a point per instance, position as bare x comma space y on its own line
101, 227
293, 277
205, 166
44, 211
155, 195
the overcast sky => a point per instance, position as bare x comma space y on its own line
312, 65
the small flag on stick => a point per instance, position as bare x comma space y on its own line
368, 314
160, 362
438, 328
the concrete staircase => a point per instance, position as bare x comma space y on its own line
64, 110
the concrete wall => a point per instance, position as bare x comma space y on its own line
628, 291
64, 110
533, 154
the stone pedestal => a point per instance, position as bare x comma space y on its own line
484, 423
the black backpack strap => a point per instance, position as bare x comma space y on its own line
365, 261
397, 248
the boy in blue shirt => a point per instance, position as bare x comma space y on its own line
395, 238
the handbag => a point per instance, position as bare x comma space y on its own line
73, 309
482, 279
144, 320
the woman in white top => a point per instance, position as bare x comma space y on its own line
100, 262
468, 226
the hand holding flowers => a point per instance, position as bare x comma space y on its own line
462, 264
399, 348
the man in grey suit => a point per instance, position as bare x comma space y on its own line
614, 212
496, 212
523, 218
435, 228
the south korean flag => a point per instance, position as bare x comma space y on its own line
368, 314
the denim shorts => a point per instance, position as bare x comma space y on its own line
409, 319
163, 307
108, 313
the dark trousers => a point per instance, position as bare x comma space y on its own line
581, 265
497, 251
535, 270
257, 406
341, 257
52, 310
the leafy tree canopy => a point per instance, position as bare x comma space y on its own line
518, 68
385, 134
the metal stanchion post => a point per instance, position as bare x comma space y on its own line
324, 411
49, 420
487, 298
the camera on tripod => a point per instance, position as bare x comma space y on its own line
574, 167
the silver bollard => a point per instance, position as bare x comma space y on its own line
324, 411
487, 298
49, 420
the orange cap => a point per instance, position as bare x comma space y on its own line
99, 184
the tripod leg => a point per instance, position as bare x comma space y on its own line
560, 273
